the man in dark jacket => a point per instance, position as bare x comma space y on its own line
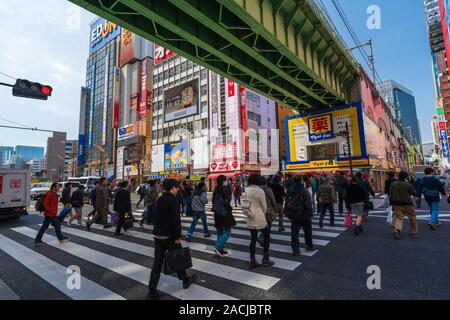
122, 205
77, 201
303, 210
341, 188
141, 192
92, 198
326, 198
101, 205
151, 196
279, 193
432, 188
167, 234
400, 199
388, 183
356, 197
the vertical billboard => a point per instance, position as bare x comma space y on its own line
304, 136
120, 163
146, 98
182, 101
116, 98
177, 156
105, 100
243, 109
82, 125
102, 32
162, 54
91, 106
127, 47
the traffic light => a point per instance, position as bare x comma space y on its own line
32, 90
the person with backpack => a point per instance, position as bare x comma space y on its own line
151, 196
254, 207
50, 207
77, 202
279, 193
299, 210
122, 205
199, 201
223, 216
92, 197
237, 193
271, 212
141, 192
326, 197
356, 198
432, 188
400, 193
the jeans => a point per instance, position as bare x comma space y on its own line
237, 200
147, 214
161, 246
266, 242
295, 230
323, 211
222, 237
434, 211
55, 223
198, 215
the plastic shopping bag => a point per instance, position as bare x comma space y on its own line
390, 214
348, 219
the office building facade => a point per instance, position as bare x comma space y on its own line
55, 156
6, 154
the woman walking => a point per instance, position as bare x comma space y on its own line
255, 211
271, 212
223, 216
199, 201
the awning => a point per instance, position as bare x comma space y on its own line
214, 176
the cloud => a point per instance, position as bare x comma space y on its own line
58, 78
61, 67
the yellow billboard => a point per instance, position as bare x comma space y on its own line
319, 140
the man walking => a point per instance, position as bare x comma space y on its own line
141, 191
432, 188
50, 203
341, 188
122, 205
101, 205
77, 201
151, 196
356, 197
326, 197
92, 198
279, 193
167, 234
400, 198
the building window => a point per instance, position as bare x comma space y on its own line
204, 124
204, 90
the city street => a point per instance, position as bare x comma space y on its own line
119, 267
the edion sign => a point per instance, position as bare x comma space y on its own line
162, 54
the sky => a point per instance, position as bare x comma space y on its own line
47, 41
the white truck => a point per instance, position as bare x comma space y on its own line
15, 186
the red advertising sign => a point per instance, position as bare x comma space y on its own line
162, 54
116, 115
1, 184
225, 166
127, 47
442, 126
231, 88
244, 115
223, 152
146, 88
15, 184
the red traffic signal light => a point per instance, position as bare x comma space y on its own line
31, 90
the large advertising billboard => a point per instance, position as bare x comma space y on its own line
176, 156
146, 96
102, 32
182, 101
162, 54
318, 141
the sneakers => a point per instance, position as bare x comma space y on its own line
433, 226
38, 243
217, 252
187, 238
88, 226
64, 239
189, 280
309, 249
223, 252
396, 234
267, 262
153, 295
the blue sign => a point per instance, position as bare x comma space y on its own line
102, 32
81, 149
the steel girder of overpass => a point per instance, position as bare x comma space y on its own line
284, 49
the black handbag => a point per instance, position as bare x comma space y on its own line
128, 223
177, 260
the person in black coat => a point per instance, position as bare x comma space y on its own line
222, 223
356, 197
77, 201
167, 234
122, 205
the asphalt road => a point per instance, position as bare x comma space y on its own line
119, 267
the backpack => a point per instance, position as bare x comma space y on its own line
292, 209
39, 206
219, 207
246, 206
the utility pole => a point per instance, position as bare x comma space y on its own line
371, 58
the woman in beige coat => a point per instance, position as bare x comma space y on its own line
255, 208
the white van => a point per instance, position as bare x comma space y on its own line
15, 188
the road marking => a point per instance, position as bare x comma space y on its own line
6, 293
54, 273
168, 284
222, 271
234, 254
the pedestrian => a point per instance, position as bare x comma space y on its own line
92, 198
416, 184
356, 197
237, 193
368, 204
279, 193
271, 211
326, 196
50, 203
432, 188
181, 195
256, 219
102, 205
199, 201
298, 208
342, 185
151, 196
65, 197
223, 216
400, 193
167, 234
77, 202
314, 187
141, 192
122, 205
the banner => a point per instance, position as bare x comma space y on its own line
146, 87
116, 97
176, 156
105, 100
81, 142
162, 54
120, 163
182, 101
102, 32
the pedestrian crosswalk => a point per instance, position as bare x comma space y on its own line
129, 258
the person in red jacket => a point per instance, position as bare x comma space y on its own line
50, 212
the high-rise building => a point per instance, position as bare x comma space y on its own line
6, 154
55, 156
403, 105
71, 154
37, 167
24, 154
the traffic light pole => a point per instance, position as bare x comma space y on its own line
6, 84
